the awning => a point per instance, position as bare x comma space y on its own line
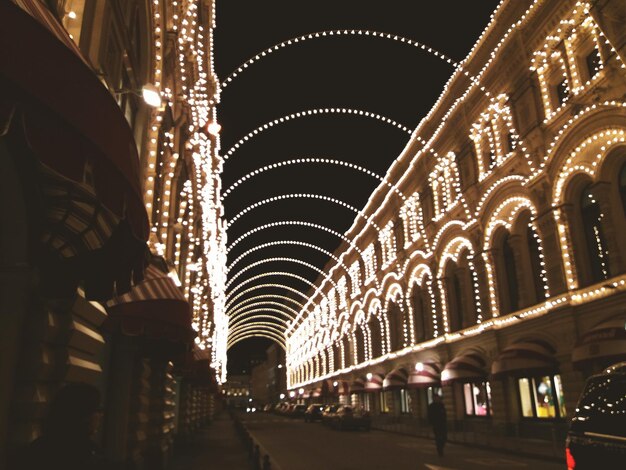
155, 308
358, 385
397, 378
428, 374
342, 387
54, 107
606, 341
375, 383
524, 358
464, 368
316, 392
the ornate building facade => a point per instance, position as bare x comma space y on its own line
492, 267
110, 262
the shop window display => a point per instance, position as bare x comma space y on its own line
431, 392
477, 397
542, 397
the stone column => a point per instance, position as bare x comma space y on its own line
483, 286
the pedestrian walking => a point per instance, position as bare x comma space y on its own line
438, 420
66, 442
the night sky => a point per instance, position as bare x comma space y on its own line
380, 76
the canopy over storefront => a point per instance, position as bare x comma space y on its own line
605, 342
374, 382
425, 374
154, 308
55, 112
525, 358
396, 379
466, 367
358, 385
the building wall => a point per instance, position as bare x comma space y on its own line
490, 238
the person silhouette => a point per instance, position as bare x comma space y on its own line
438, 420
66, 442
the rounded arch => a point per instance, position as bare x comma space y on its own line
422, 304
276, 339
459, 287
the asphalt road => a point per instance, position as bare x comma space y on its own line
296, 445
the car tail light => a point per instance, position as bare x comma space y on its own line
569, 459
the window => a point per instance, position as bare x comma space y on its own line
431, 392
477, 397
458, 301
366, 402
622, 186
405, 401
594, 236
421, 313
593, 62
562, 91
385, 399
535, 263
510, 269
542, 397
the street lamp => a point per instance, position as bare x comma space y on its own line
335, 383
369, 376
419, 366
151, 95
292, 394
282, 396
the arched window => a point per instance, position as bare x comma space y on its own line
459, 307
396, 335
359, 336
598, 254
622, 186
376, 337
535, 264
421, 313
510, 271
347, 357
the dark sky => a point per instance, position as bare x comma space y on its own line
376, 75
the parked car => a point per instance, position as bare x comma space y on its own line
297, 411
597, 433
349, 418
329, 412
313, 413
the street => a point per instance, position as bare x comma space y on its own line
296, 445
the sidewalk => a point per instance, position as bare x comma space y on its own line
537, 448
216, 446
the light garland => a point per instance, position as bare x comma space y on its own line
308, 113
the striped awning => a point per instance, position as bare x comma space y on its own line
605, 342
525, 357
464, 368
358, 385
375, 383
316, 392
154, 308
397, 378
55, 110
425, 374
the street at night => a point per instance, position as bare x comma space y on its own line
296, 445
312, 234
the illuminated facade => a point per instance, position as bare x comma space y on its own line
489, 265
111, 244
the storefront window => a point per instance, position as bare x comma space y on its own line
542, 397
405, 401
525, 399
385, 399
366, 403
477, 396
431, 392
73, 18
